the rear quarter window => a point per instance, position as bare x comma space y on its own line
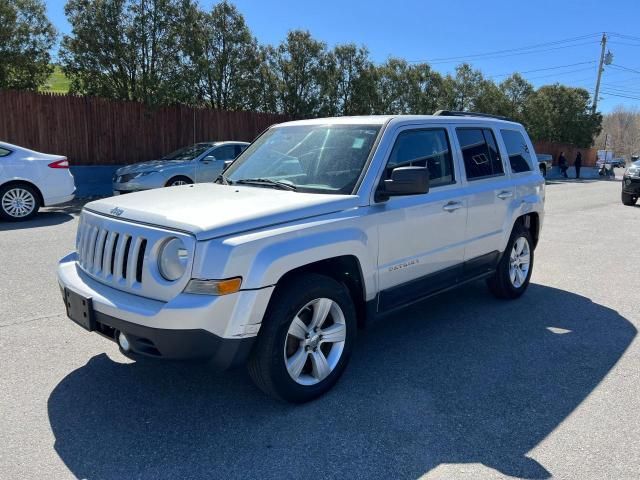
518, 151
4, 152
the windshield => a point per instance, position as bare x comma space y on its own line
188, 153
311, 158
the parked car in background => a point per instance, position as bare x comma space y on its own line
613, 163
201, 162
545, 162
631, 184
319, 227
30, 180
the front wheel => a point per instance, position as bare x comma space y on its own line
512, 276
177, 181
628, 199
18, 202
305, 340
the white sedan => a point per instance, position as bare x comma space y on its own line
30, 180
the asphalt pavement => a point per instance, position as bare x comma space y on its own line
463, 386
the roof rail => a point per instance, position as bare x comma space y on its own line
455, 113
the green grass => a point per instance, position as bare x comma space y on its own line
57, 82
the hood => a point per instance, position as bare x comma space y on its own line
210, 210
150, 165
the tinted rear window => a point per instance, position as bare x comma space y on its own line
518, 151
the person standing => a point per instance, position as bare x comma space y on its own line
562, 161
578, 163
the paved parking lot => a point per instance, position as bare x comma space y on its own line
464, 386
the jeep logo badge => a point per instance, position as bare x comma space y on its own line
117, 211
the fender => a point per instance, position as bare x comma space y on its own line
530, 199
263, 258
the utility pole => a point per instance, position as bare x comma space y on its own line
603, 42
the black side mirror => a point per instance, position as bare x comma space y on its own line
404, 181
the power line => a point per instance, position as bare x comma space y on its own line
614, 42
519, 51
506, 55
620, 67
543, 69
559, 73
621, 96
628, 37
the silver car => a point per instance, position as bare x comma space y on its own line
201, 162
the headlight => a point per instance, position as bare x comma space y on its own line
632, 172
143, 174
173, 259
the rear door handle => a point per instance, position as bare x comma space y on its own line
505, 194
452, 206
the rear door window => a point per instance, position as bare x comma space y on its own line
480, 153
518, 151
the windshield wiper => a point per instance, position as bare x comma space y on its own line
266, 182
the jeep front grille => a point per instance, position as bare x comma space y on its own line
123, 255
111, 255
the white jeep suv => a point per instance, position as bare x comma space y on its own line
318, 227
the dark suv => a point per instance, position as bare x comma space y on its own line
631, 183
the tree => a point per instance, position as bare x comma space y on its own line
226, 60
466, 87
26, 37
517, 92
346, 86
621, 129
562, 114
297, 65
127, 49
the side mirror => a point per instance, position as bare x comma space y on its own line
209, 158
404, 181
227, 163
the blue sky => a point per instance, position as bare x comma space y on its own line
426, 30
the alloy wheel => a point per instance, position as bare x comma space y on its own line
519, 262
18, 202
315, 341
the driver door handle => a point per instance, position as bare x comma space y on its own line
505, 194
452, 206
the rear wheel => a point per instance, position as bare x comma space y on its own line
629, 199
18, 202
305, 340
177, 181
543, 170
512, 276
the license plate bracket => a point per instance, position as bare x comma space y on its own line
79, 309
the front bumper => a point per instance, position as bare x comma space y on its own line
222, 353
631, 185
218, 328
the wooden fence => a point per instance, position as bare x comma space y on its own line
589, 155
96, 131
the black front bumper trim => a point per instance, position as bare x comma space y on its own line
194, 344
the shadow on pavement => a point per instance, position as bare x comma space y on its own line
43, 219
48, 216
447, 381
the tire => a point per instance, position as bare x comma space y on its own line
543, 170
507, 283
277, 347
629, 199
179, 180
18, 202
